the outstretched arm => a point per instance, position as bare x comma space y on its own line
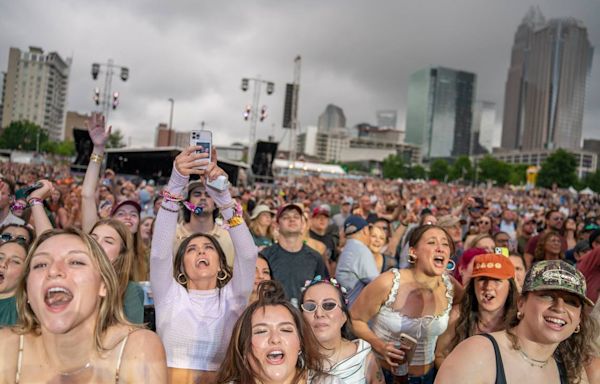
245, 249
99, 135
161, 254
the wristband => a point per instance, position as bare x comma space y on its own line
32, 201
168, 196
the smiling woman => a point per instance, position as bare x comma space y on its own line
12, 258
71, 325
547, 340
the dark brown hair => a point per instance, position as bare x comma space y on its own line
540, 253
178, 260
236, 365
574, 352
418, 233
469, 312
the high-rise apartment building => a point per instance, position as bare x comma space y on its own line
35, 89
332, 118
440, 111
545, 88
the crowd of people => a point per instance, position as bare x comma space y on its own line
112, 278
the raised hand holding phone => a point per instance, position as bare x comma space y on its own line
203, 140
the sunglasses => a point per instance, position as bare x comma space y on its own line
8, 237
311, 306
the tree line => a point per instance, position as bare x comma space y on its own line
559, 168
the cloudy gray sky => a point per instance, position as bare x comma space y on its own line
355, 54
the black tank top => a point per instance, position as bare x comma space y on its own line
501, 377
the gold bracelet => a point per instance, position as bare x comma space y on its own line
96, 158
235, 221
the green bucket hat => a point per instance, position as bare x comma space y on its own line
556, 275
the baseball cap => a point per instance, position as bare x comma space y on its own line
194, 184
133, 203
494, 266
261, 208
321, 210
354, 224
556, 275
286, 207
448, 221
348, 200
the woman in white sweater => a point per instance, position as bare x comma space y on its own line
197, 299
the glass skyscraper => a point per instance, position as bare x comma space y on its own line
545, 88
440, 111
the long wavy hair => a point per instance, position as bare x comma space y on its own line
466, 326
110, 311
178, 266
574, 352
540, 253
236, 365
124, 262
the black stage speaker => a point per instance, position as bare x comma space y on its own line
262, 164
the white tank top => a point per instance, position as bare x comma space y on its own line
388, 323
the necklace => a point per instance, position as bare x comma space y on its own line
76, 371
533, 362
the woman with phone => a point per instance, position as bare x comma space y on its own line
324, 307
197, 296
548, 339
415, 302
490, 300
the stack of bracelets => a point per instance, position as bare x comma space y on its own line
35, 201
234, 221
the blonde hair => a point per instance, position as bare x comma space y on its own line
110, 310
124, 262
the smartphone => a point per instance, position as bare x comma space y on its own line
204, 139
408, 344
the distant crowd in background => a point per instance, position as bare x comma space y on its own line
111, 277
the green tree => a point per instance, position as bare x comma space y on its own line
393, 167
115, 140
461, 169
593, 181
560, 168
494, 170
439, 170
63, 148
23, 135
518, 174
416, 172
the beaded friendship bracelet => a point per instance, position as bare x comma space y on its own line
168, 196
35, 201
169, 209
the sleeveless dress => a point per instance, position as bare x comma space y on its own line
389, 323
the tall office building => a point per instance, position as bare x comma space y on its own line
35, 89
486, 136
545, 88
332, 118
440, 111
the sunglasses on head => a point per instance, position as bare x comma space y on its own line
311, 306
8, 237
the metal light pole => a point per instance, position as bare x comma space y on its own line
108, 99
253, 113
170, 121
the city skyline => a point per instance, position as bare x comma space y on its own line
198, 53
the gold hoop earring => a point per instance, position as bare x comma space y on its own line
412, 258
577, 329
519, 315
182, 279
224, 276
